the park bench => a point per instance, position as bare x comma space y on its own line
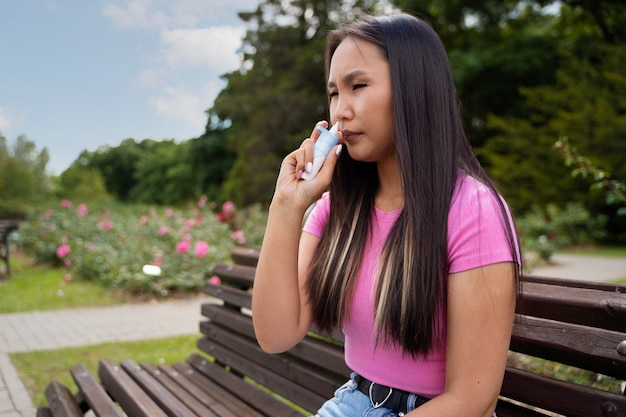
6, 227
579, 324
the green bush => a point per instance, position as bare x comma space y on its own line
110, 243
544, 231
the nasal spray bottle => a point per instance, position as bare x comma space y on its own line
326, 141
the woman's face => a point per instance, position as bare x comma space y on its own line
359, 85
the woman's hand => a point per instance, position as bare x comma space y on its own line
290, 188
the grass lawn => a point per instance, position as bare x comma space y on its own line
608, 251
33, 287
37, 369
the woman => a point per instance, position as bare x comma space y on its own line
412, 252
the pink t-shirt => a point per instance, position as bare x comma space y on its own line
476, 237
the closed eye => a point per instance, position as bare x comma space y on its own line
357, 86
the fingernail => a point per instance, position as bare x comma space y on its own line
299, 174
338, 151
309, 167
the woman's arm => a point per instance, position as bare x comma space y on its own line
481, 306
280, 310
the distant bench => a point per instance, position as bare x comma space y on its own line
6, 227
580, 324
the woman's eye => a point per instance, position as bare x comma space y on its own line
332, 94
357, 86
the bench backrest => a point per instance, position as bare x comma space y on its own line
579, 324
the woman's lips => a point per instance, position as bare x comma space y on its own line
349, 136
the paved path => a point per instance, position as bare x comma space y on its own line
40, 330
44, 330
588, 268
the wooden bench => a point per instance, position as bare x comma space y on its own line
7, 226
580, 324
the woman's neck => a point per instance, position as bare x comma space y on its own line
389, 195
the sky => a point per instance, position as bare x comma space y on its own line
81, 74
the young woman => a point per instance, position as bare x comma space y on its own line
412, 253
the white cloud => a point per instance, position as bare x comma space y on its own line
214, 47
198, 41
182, 13
178, 103
136, 14
8, 119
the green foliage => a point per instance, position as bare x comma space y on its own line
273, 102
23, 179
587, 106
82, 183
546, 230
110, 243
582, 166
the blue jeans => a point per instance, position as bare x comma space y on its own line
350, 402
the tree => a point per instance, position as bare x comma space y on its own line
23, 179
82, 183
272, 103
587, 106
211, 159
163, 174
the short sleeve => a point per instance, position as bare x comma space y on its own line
477, 231
318, 217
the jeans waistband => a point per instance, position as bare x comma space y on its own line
381, 395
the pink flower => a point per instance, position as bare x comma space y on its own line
202, 201
82, 210
158, 260
182, 246
169, 213
201, 249
48, 214
228, 207
63, 250
239, 237
66, 203
162, 230
143, 220
106, 225
215, 280
68, 277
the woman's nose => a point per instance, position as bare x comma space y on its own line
340, 110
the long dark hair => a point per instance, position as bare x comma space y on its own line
431, 148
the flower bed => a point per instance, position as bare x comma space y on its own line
112, 243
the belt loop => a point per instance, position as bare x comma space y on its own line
374, 403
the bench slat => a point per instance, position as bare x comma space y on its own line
319, 353
231, 296
202, 390
166, 400
61, 401
44, 412
572, 344
505, 408
307, 399
305, 375
241, 276
93, 393
170, 380
227, 403
264, 402
246, 256
566, 398
590, 307
133, 400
